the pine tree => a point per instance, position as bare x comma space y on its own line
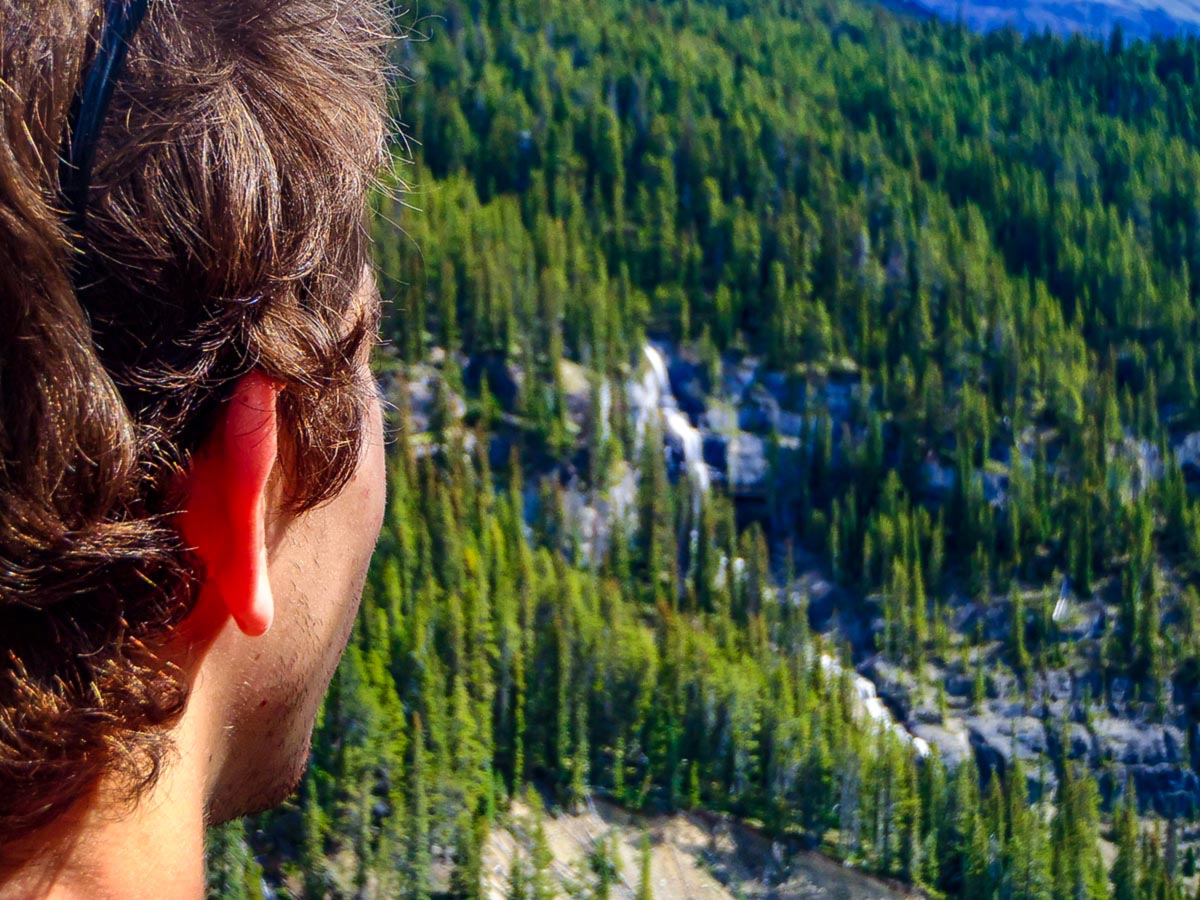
232, 873
312, 850
618, 770
578, 789
1125, 875
518, 888
645, 882
469, 837
1019, 652
603, 863
1026, 854
1077, 869
418, 862
540, 884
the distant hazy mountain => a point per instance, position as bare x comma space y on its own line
1138, 18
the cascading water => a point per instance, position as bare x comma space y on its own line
868, 704
652, 396
606, 408
693, 449
653, 401
658, 369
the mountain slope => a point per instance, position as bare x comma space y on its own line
926, 305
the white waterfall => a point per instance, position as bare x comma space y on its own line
869, 705
606, 408
653, 401
658, 368
652, 397
693, 449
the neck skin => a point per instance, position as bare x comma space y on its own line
101, 849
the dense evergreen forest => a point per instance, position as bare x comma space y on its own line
960, 268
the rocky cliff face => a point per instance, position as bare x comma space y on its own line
748, 409
1122, 744
734, 426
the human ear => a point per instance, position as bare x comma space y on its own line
224, 519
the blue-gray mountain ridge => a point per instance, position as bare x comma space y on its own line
1095, 18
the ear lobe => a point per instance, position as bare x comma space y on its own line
225, 518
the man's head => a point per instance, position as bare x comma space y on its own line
189, 440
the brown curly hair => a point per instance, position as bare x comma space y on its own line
225, 231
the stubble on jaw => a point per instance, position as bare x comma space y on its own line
278, 734
272, 752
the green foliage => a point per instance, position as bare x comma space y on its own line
645, 881
984, 243
604, 863
705, 710
1125, 882
233, 873
1004, 277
